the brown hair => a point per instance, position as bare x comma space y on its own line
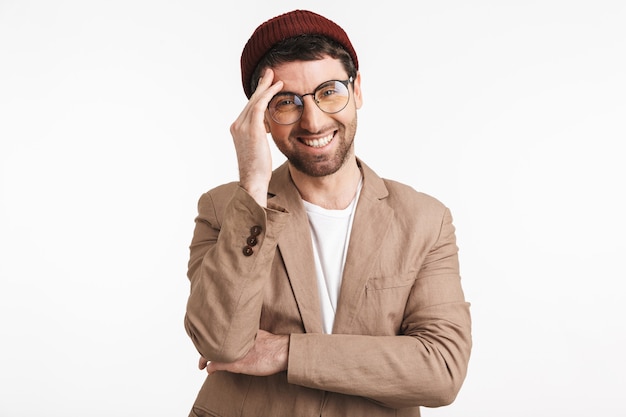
302, 48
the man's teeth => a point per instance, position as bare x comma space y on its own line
318, 143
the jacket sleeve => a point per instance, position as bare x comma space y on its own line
425, 365
231, 255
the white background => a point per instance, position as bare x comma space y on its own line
114, 118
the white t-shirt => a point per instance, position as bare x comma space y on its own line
330, 233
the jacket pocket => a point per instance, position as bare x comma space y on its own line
390, 282
384, 303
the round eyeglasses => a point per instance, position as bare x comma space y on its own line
331, 97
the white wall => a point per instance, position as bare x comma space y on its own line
114, 118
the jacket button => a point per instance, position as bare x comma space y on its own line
252, 241
247, 251
256, 230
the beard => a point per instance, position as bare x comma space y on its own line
323, 165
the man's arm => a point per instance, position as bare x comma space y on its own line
228, 273
231, 252
425, 366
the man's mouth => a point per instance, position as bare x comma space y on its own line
319, 143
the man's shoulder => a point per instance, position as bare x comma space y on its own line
400, 195
403, 191
407, 201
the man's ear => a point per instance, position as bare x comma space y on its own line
358, 96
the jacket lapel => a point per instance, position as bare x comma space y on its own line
371, 221
296, 249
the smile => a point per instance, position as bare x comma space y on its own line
319, 143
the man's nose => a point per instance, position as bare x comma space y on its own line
312, 117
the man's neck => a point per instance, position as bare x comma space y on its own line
333, 192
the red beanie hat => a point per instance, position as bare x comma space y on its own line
287, 25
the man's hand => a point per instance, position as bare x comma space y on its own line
268, 356
249, 134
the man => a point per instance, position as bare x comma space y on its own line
319, 289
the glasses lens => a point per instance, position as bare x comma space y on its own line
285, 108
332, 96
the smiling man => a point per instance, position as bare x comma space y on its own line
319, 288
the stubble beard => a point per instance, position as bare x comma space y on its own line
324, 165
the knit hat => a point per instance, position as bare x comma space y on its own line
287, 25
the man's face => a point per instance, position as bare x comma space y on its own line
319, 143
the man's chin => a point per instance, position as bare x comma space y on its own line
316, 168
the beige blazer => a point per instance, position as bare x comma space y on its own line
402, 331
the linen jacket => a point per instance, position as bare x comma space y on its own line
402, 331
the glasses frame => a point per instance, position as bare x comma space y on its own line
346, 83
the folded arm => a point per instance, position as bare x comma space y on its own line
424, 365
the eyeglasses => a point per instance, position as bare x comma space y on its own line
331, 97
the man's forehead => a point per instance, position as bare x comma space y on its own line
309, 74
